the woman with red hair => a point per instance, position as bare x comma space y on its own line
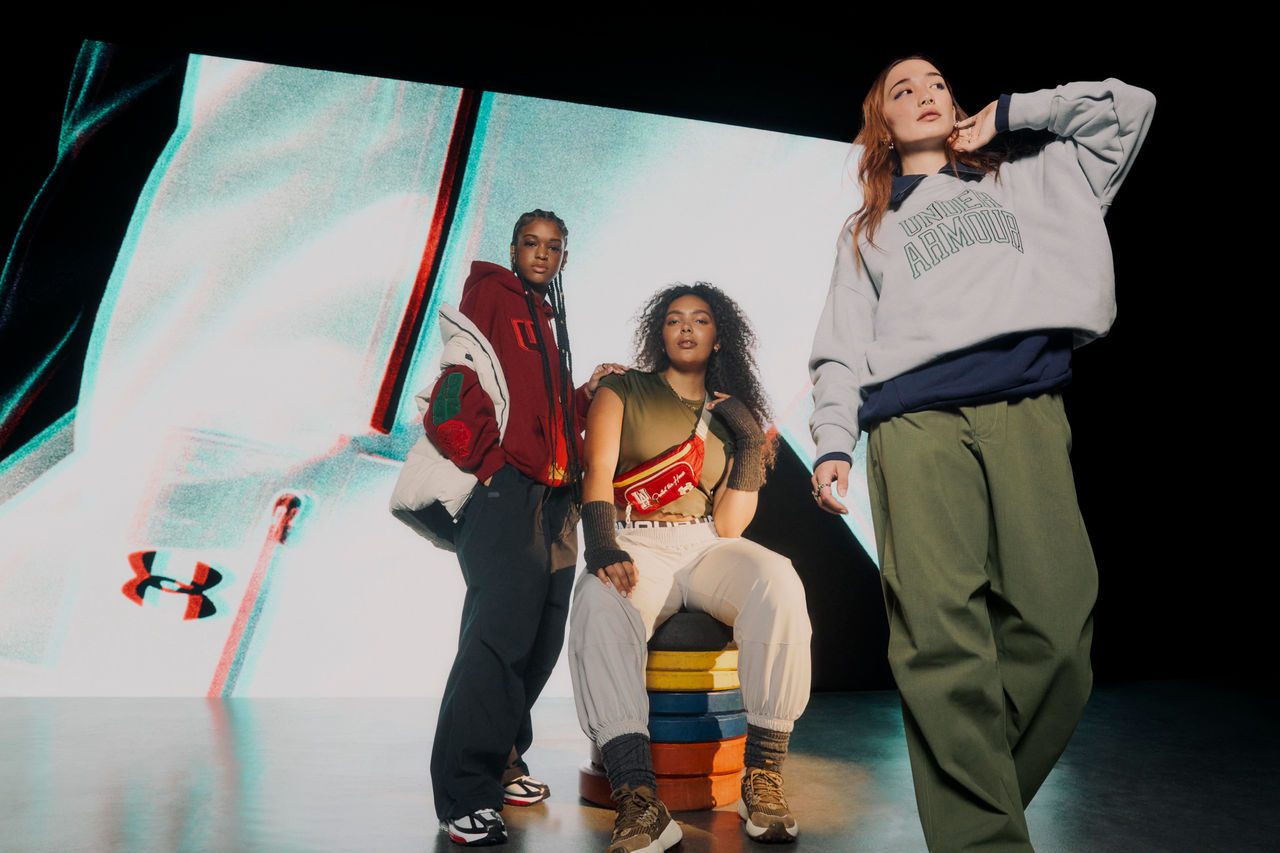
961, 286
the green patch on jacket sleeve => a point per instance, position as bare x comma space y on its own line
448, 402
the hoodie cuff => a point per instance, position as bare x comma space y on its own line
835, 454
833, 438
492, 463
1002, 114
581, 402
1031, 110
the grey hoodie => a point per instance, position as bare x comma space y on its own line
963, 262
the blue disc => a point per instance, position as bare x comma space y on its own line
700, 729
697, 703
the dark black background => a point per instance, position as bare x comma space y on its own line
1182, 575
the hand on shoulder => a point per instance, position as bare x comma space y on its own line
739, 418
601, 371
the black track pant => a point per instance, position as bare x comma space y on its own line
516, 539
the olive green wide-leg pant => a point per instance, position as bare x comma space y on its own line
989, 582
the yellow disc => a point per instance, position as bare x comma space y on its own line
715, 680
692, 661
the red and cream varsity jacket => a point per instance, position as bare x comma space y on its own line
460, 419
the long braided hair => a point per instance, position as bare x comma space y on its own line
564, 402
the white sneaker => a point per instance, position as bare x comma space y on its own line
481, 828
525, 791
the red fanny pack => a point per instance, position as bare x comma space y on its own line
671, 474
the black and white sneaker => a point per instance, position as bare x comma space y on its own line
481, 828
525, 791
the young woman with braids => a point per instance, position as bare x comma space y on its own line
960, 287
517, 532
694, 350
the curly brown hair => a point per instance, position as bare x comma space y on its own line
731, 370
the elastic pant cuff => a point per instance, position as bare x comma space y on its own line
773, 723
614, 730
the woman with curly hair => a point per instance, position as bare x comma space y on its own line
960, 287
677, 542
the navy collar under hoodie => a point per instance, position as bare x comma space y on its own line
904, 184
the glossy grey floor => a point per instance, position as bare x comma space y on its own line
1156, 766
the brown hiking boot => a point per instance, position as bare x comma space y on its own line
643, 824
764, 807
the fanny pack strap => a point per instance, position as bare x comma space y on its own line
704, 422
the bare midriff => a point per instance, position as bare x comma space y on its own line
621, 512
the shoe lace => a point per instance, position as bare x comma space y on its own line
766, 787
633, 808
487, 814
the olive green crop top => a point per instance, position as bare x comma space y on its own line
654, 419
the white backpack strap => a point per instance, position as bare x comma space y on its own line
704, 422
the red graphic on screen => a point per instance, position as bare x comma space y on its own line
451, 181
204, 577
284, 513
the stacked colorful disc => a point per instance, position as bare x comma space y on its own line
697, 723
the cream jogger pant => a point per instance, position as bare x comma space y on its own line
737, 581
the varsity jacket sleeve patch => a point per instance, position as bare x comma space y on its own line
846, 328
1105, 123
462, 423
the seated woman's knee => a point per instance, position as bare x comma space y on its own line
776, 579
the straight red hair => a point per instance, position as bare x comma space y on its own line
880, 162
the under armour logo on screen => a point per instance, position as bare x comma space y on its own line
203, 577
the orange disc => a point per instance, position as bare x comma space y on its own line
680, 793
692, 759
699, 793
713, 758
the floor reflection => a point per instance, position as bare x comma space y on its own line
1163, 766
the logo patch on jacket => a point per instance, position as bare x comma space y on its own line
454, 437
525, 336
448, 401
